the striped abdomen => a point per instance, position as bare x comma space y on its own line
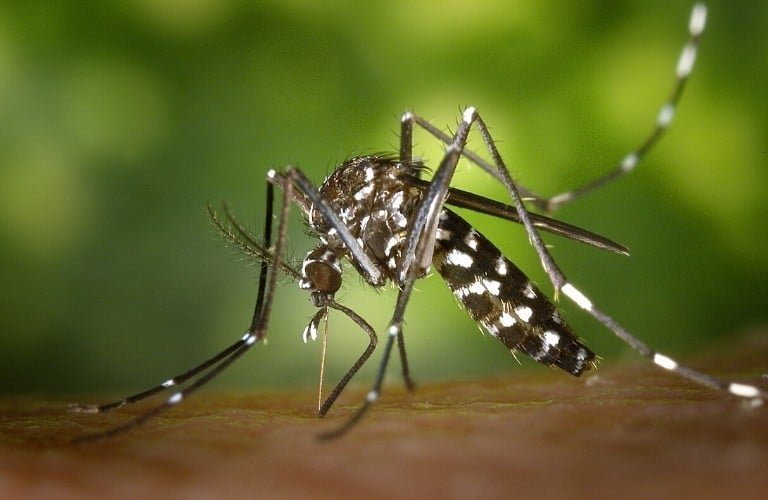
502, 299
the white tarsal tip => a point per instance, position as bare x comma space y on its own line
469, 114
175, 398
271, 173
575, 295
698, 19
743, 390
666, 114
685, 63
664, 362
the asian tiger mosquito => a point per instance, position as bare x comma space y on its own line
391, 225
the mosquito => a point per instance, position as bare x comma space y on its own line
380, 215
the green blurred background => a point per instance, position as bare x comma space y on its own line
119, 121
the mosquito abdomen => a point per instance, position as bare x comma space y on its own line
502, 299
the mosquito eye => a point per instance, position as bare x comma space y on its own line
323, 276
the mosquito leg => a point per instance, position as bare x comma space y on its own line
409, 383
467, 153
256, 332
561, 283
683, 70
171, 382
406, 137
372, 341
416, 259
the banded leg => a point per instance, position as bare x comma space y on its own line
683, 70
247, 243
256, 332
416, 259
368, 329
561, 283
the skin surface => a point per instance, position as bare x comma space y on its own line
629, 430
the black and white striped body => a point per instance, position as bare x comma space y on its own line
376, 203
502, 299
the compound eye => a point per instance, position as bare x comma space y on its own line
324, 277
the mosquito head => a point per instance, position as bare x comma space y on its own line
321, 274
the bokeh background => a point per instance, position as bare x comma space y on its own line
119, 121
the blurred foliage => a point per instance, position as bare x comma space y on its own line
119, 121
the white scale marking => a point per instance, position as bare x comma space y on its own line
476, 288
390, 245
400, 221
461, 259
698, 19
501, 266
665, 362
493, 286
665, 115
345, 214
363, 192
528, 291
369, 174
507, 319
743, 390
578, 297
551, 339
397, 200
175, 398
471, 239
169, 383
310, 332
685, 63
443, 234
469, 114
629, 162
524, 313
